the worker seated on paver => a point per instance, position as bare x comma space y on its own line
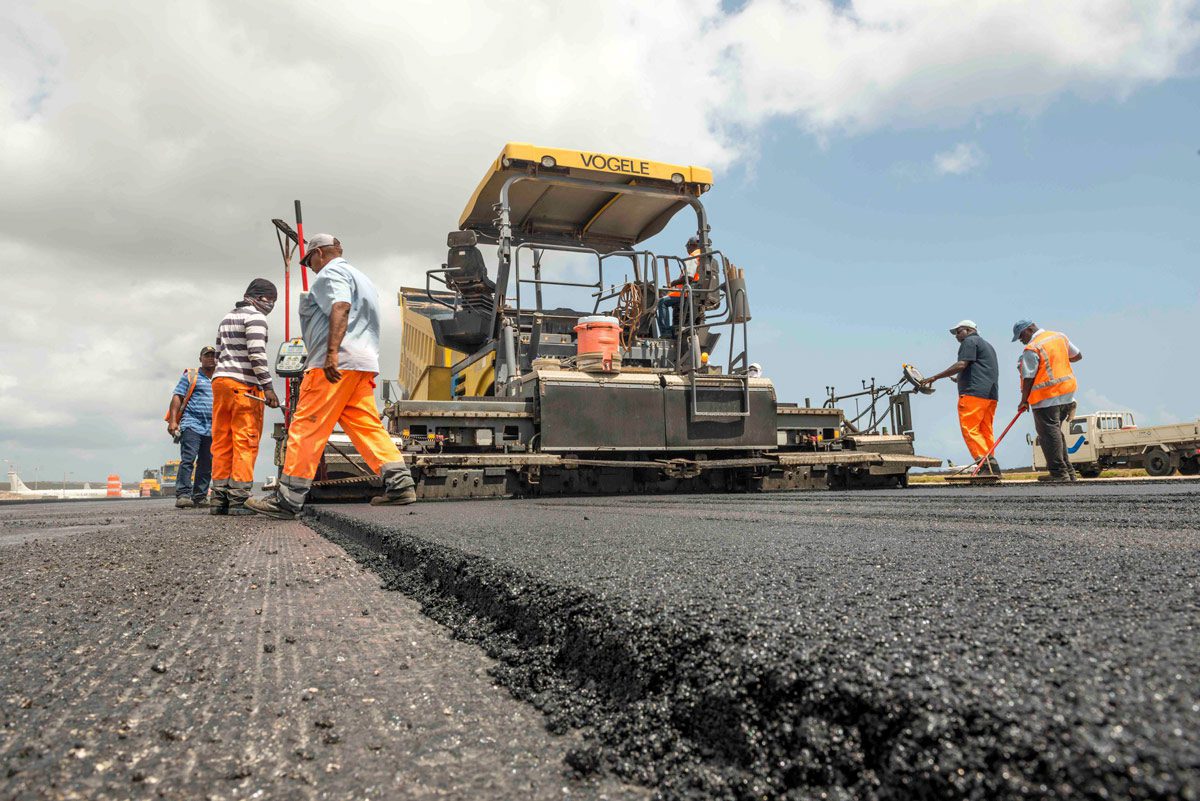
668, 306
241, 387
978, 373
340, 322
1048, 388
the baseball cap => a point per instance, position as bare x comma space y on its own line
317, 241
964, 324
207, 349
1019, 326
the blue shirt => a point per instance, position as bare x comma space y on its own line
340, 282
197, 415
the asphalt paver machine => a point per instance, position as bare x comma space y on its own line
551, 353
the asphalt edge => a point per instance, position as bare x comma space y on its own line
659, 706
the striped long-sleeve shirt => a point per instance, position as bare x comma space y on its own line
242, 347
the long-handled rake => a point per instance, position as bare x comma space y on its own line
990, 478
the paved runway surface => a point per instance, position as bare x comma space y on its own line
150, 653
969, 642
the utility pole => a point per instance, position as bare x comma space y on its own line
64, 486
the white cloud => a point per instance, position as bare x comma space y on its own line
963, 158
873, 63
145, 146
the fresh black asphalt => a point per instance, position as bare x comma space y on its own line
1011, 642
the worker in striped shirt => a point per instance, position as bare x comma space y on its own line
241, 388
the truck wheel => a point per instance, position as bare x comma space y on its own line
1090, 471
1158, 464
1189, 467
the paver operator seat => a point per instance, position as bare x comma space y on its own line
470, 326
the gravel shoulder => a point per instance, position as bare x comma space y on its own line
146, 652
1009, 642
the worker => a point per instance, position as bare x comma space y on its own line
669, 306
241, 387
978, 376
189, 422
754, 370
340, 322
1048, 388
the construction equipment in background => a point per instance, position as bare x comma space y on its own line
151, 485
168, 475
1102, 440
506, 393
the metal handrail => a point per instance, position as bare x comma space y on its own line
429, 294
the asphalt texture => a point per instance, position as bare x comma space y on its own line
152, 653
996, 642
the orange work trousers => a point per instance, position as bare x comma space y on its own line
975, 417
322, 405
237, 425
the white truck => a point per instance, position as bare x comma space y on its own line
1111, 439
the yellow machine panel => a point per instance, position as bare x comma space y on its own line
425, 367
582, 213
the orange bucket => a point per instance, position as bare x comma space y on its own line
598, 334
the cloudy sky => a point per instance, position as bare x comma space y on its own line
884, 168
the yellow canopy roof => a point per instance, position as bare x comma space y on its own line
589, 215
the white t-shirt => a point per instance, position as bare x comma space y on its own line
340, 282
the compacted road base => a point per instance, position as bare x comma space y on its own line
147, 652
1025, 642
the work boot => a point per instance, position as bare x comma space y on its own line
269, 506
1054, 479
238, 507
402, 498
200, 503
183, 502
993, 465
218, 508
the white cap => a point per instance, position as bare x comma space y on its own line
964, 324
317, 241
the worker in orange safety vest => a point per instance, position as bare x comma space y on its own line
1048, 389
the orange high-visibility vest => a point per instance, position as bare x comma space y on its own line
683, 278
1054, 376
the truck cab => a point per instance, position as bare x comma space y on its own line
1084, 434
1113, 439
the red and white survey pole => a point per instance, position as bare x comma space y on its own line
290, 241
